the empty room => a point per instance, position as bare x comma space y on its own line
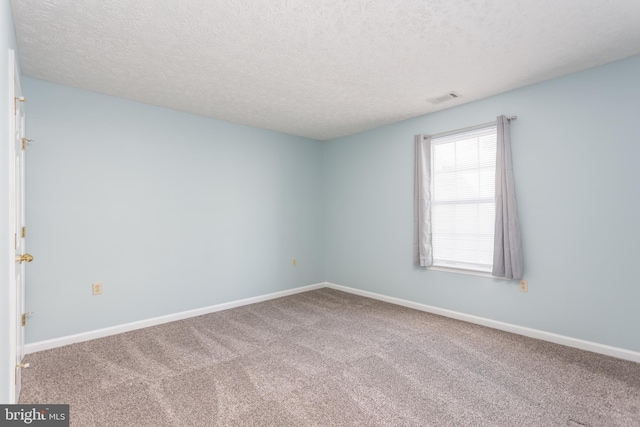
319, 213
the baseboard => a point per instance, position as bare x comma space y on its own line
113, 330
619, 353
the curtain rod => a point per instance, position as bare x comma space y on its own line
467, 129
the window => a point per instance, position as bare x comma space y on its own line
463, 170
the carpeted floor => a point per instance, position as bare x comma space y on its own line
328, 358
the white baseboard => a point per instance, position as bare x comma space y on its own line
508, 327
620, 353
113, 330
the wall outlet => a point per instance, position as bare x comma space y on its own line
524, 286
293, 262
97, 288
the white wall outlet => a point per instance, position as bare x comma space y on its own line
97, 288
524, 286
293, 262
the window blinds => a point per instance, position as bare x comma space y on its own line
463, 199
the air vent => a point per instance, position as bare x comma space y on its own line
447, 97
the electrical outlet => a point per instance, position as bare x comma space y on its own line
97, 288
524, 286
293, 262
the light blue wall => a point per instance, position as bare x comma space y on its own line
7, 41
576, 155
170, 211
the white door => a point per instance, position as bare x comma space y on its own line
17, 151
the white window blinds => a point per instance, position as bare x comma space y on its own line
463, 168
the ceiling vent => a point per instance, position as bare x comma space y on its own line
447, 97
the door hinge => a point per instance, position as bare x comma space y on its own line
24, 142
24, 317
24, 232
17, 99
20, 366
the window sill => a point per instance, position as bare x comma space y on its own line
465, 272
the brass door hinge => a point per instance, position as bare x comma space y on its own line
15, 101
24, 142
24, 317
24, 232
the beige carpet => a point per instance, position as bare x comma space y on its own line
328, 358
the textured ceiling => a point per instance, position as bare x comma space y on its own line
316, 68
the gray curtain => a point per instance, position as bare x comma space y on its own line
422, 249
507, 246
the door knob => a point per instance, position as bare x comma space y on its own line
25, 257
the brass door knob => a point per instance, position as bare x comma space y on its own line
25, 257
